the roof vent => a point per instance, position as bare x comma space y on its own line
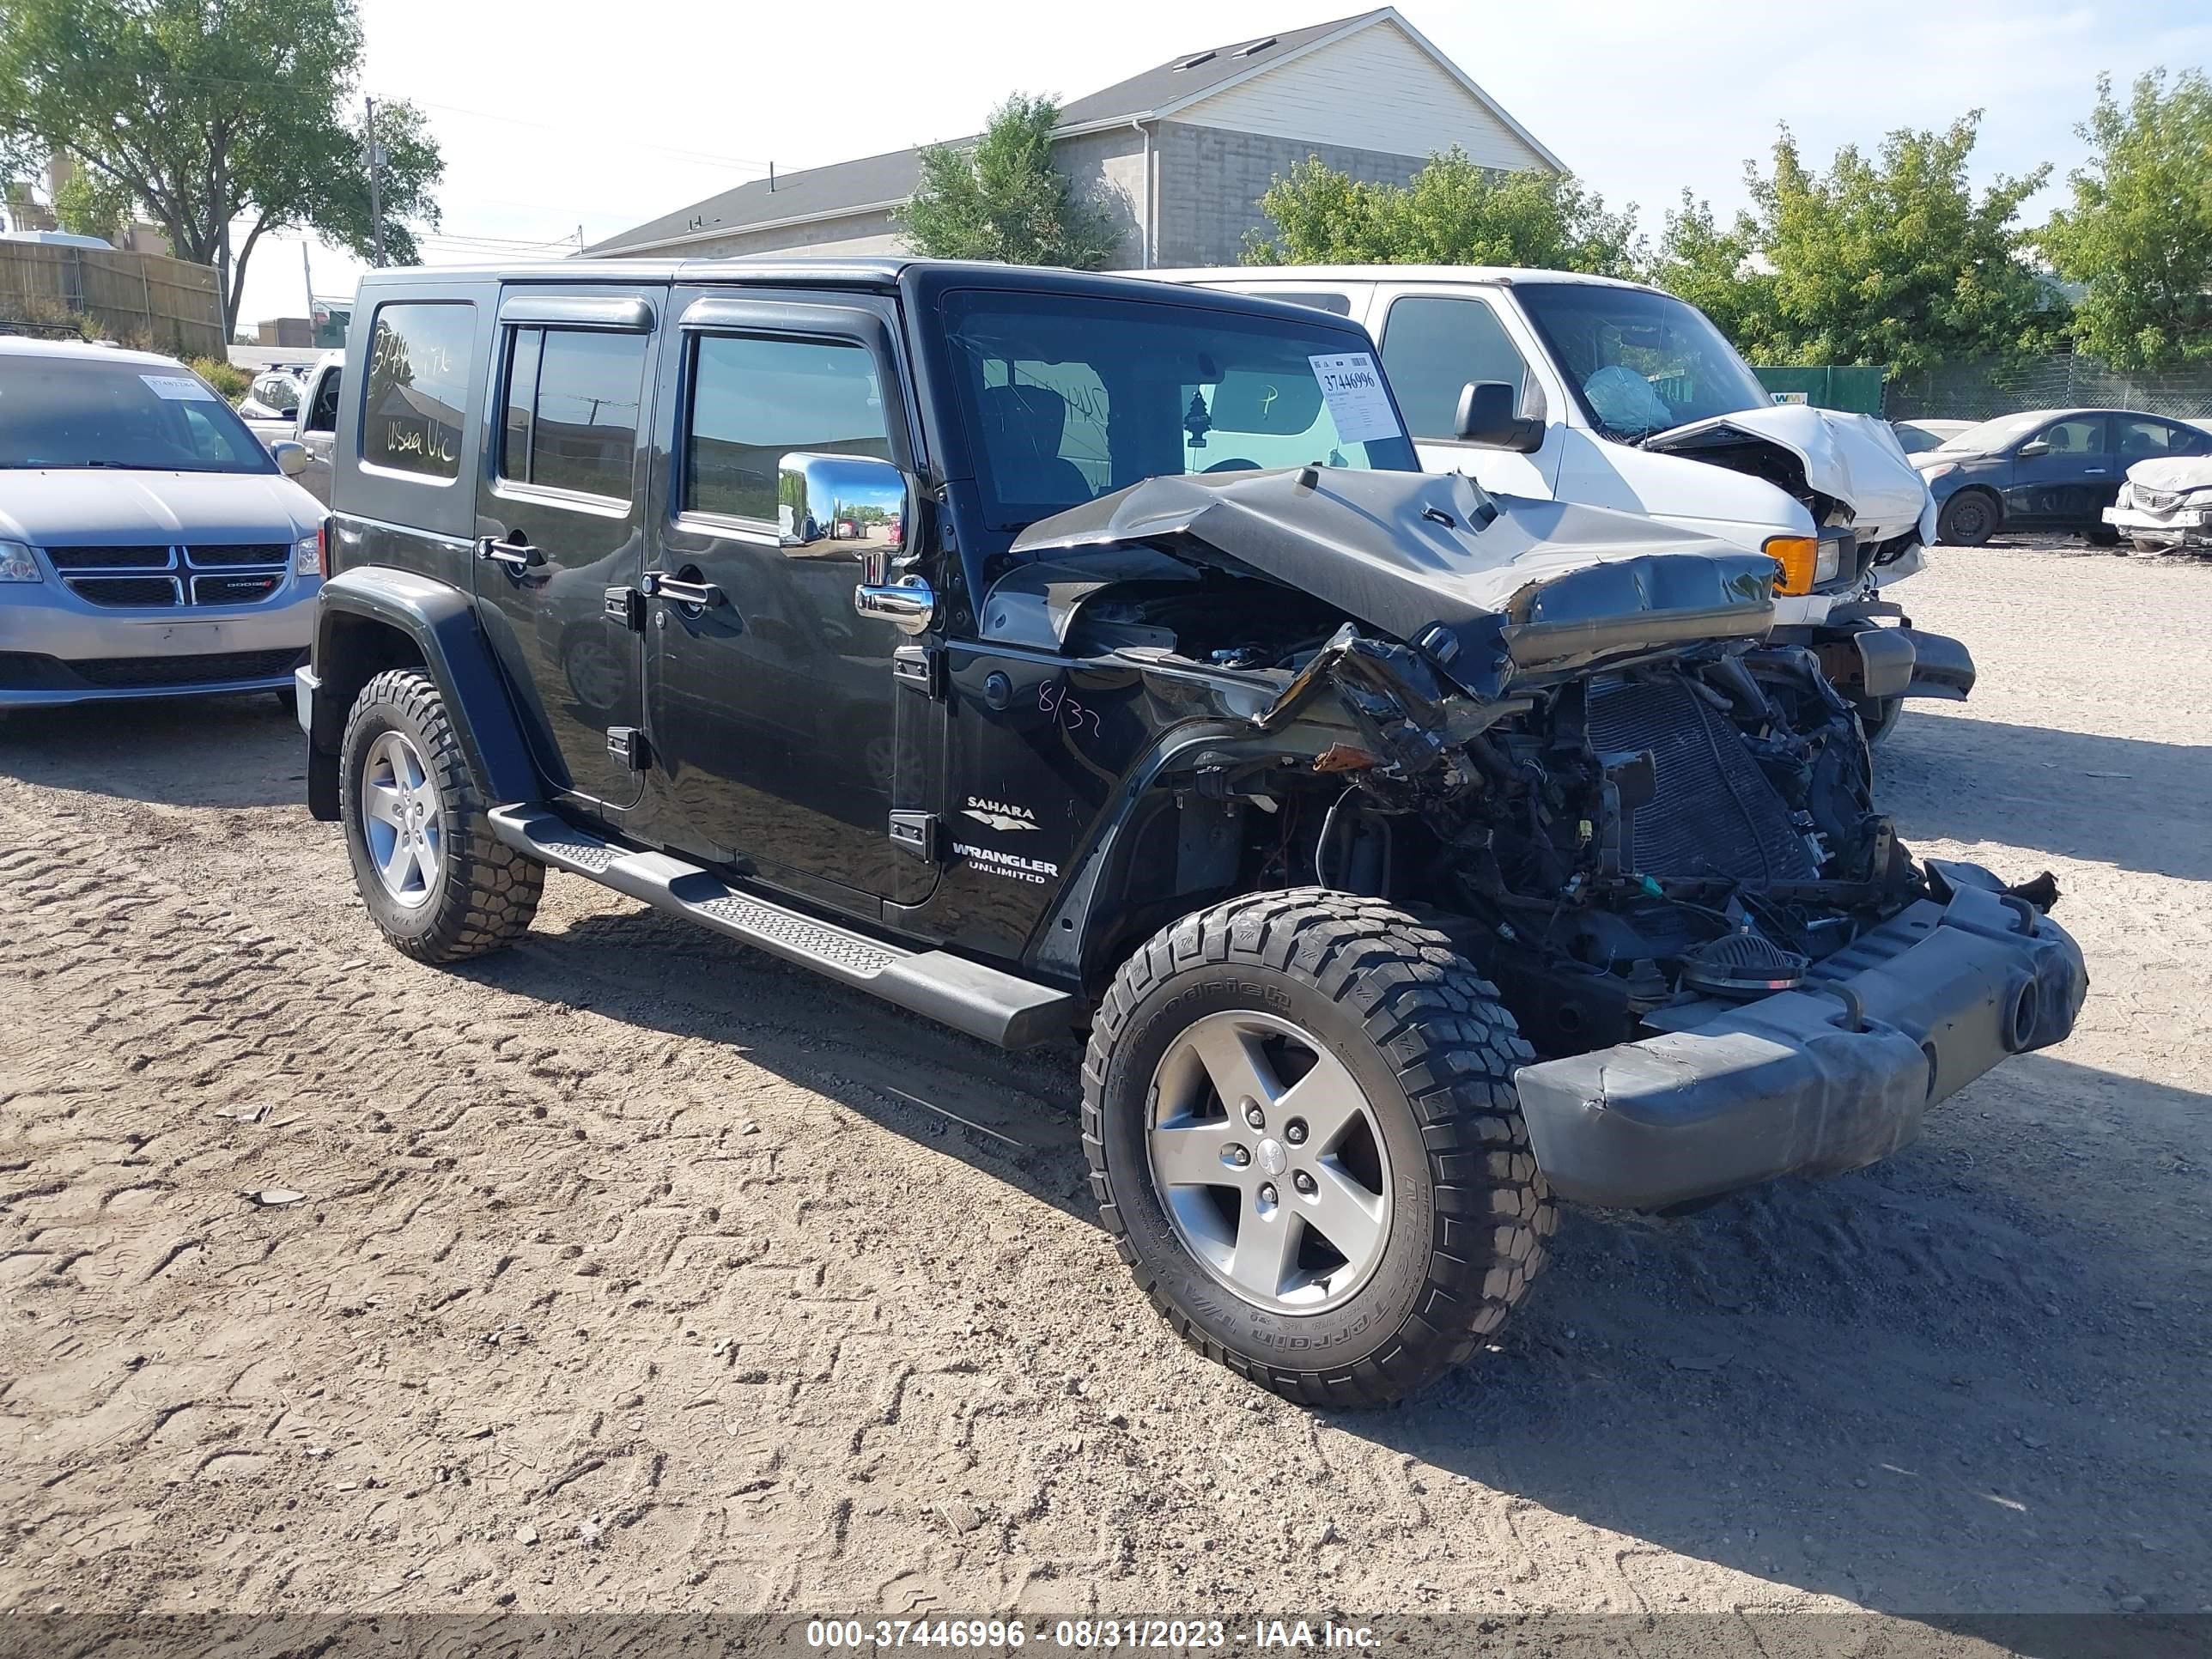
1257, 47
1192, 63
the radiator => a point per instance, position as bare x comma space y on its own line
1713, 811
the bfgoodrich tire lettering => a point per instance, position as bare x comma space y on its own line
486, 892
1433, 1052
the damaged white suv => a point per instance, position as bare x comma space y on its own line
1560, 386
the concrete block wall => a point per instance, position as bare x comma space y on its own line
1109, 169
1211, 180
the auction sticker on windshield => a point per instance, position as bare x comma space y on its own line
1358, 402
178, 388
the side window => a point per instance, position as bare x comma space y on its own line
1078, 402
415, 398
1431, 348
2141, 440
1336, 303
324, 416
2082, 437
754, 400
572, 398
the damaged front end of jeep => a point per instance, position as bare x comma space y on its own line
1565, 737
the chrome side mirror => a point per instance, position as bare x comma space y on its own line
858, 508
292, 459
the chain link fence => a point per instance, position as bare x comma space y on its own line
1982, 391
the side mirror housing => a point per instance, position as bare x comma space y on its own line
1487, 417
2033, 448
860, 510
292, 459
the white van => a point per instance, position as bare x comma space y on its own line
1576, 388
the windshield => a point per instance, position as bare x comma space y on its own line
78, 412
1067, 398
1992, 435
1640, 361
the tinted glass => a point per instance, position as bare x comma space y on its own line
2141, 440
1067, 398
754, 401
2081, 437
278, 392
417, 397
584, 427
522, 347
67, 411
324, 416
1640, 361
1335, 303
1431, 348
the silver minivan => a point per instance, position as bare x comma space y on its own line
149, 545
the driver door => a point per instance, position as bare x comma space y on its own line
2067, 483
1432, 345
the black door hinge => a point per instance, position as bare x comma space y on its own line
626, 606
920, 667
628, 747
916, 832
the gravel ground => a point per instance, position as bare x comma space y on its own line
636, 1270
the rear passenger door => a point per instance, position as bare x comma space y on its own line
560, 522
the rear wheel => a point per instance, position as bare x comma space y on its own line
1300, 1119
1968, 519
440, 886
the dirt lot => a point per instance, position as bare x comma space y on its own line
634, 1270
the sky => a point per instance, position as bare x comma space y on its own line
555, 115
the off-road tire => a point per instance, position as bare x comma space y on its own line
1969, 519
1434, 1051
487, 892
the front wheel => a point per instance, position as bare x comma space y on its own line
438, 884
1878, 717
1299, 1114
1968, 519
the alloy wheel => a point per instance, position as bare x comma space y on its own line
1269, 1161
399, 820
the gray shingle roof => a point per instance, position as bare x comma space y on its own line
846, 186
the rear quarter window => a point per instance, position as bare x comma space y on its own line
416, 393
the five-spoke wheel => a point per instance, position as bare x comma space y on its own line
1268, 1161
400, 820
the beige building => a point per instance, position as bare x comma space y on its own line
1179, 155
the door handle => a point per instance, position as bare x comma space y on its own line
2095, 471
517, 555
676, 591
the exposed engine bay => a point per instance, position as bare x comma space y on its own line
1593, 771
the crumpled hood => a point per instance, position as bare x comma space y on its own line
2173, 472
1854, 458
1515, 584
63, 506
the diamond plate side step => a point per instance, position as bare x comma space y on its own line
999, 1007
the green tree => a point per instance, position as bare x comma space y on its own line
1720, 272
89, 205
1451, 212
2139, 235
220, 123
1003, 199
1891, 259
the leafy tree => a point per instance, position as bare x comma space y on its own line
1720, 272
207, 118
2139, 236
1890, 260
89, 205
1003, 199
1451, 212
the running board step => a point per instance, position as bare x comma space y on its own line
1001, 1008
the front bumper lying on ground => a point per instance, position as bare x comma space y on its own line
1815, 1081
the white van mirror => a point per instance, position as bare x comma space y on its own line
1488, 415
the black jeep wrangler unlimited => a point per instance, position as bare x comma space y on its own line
1051, 654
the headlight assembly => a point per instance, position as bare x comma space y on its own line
18, 563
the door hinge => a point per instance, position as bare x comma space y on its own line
916, 832
626, 606
920, 667
628, 747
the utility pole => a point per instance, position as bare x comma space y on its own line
375, 191
307, 278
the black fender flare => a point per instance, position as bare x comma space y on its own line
439, 621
